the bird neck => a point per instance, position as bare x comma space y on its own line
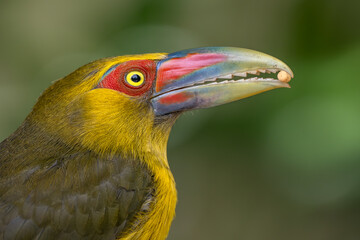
126, 128
156, 224
149, 151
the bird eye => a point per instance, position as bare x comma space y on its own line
135, 79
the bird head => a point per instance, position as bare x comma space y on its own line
128, 104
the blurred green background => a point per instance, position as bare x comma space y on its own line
280, 165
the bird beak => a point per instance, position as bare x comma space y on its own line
211, 76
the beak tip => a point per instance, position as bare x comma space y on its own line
284, 76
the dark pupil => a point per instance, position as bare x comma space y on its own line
135, 78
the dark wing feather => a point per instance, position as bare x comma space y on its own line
52, 191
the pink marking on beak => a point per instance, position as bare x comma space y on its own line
175, 68
175, 98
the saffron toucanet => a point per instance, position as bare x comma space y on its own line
89, 161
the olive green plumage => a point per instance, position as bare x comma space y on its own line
53, 185
89, 162
65, 192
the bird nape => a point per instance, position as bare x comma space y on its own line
89, 161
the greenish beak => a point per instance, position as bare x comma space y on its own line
207, 77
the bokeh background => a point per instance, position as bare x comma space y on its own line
280, 165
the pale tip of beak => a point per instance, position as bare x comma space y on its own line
284, 76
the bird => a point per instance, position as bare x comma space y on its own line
90, 159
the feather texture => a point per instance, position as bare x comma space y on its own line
66, 192
88, 163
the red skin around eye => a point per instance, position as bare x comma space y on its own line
116, 78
